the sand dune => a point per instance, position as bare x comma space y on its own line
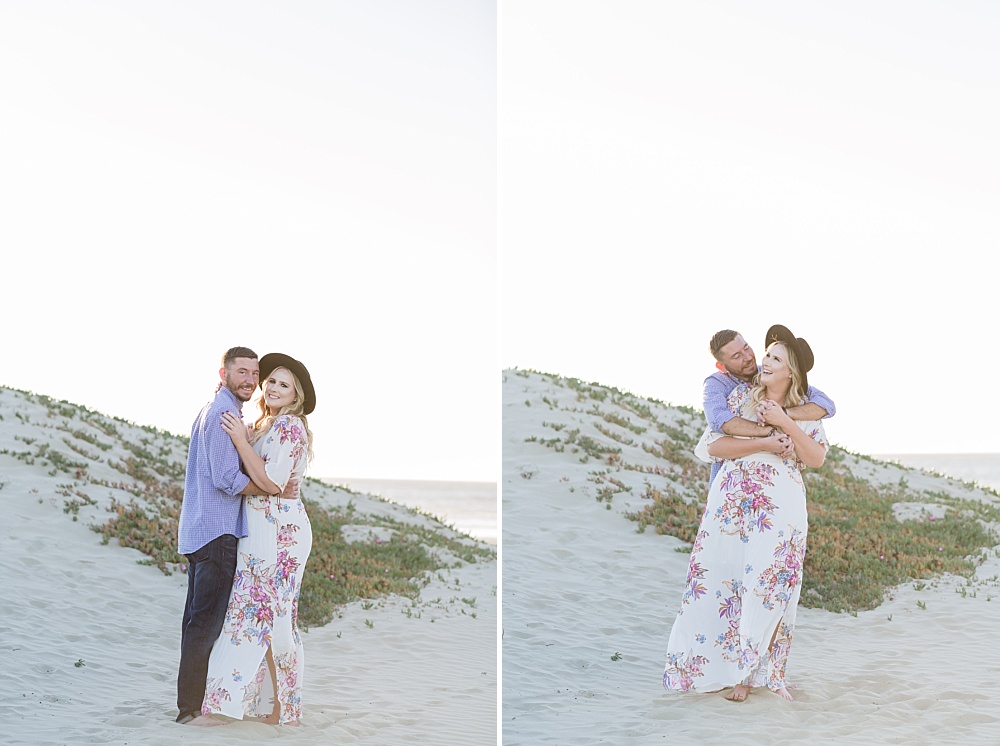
588, 604
90, 637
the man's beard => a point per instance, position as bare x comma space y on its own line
236, 391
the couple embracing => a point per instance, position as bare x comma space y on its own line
737, 615
246, 537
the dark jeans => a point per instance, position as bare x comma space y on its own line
210, 581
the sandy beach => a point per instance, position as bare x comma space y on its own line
588, 603
91, 637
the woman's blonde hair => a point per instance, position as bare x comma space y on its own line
264, 420
796, 392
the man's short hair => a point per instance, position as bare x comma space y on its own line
720, 340
234, 352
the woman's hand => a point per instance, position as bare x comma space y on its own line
770, 413
807, 451
779, 444
234, 426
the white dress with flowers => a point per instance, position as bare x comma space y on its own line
745, 573
263, 605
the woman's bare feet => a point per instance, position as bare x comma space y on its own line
205, 721
272, 719
740, 692
785, 694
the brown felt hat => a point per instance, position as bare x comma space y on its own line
273, 360
778, 333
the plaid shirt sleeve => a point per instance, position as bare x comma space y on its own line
715, 392
212, 504
223, 459
815, 396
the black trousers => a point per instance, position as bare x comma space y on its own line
210, 581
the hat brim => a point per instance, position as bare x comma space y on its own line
273, 360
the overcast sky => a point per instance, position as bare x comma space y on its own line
320, 178
314, 178
671, 169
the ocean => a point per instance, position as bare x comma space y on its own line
471, 507
983, 468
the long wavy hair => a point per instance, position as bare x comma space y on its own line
264, 419
796, 392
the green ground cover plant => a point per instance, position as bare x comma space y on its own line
858, 549
144, 502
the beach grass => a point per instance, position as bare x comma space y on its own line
144, 499
858, 547
338, 571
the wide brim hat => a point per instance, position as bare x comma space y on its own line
803, 352
273, 360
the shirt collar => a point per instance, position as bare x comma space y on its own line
225, 392
730, 377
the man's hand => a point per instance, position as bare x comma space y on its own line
789, 452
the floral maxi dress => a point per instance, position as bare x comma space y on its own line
745, 573
263, 605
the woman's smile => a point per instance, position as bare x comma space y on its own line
280, 389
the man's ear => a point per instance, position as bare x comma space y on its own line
718, 365
222, 374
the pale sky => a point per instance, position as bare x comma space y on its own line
315, 178
671, 169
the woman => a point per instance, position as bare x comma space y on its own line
734, 628
256, 664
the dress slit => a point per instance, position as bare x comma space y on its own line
262, 616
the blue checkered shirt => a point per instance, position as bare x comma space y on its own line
212, 505
716, 391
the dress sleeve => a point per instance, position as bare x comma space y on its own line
707, 438
284, 447
815, 430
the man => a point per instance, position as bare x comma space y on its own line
212, 520
737, 364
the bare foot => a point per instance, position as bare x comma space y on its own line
292, 722
740, 692
271, 719
205, 721
784, 693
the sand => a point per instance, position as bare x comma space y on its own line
91, 638
588, 604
